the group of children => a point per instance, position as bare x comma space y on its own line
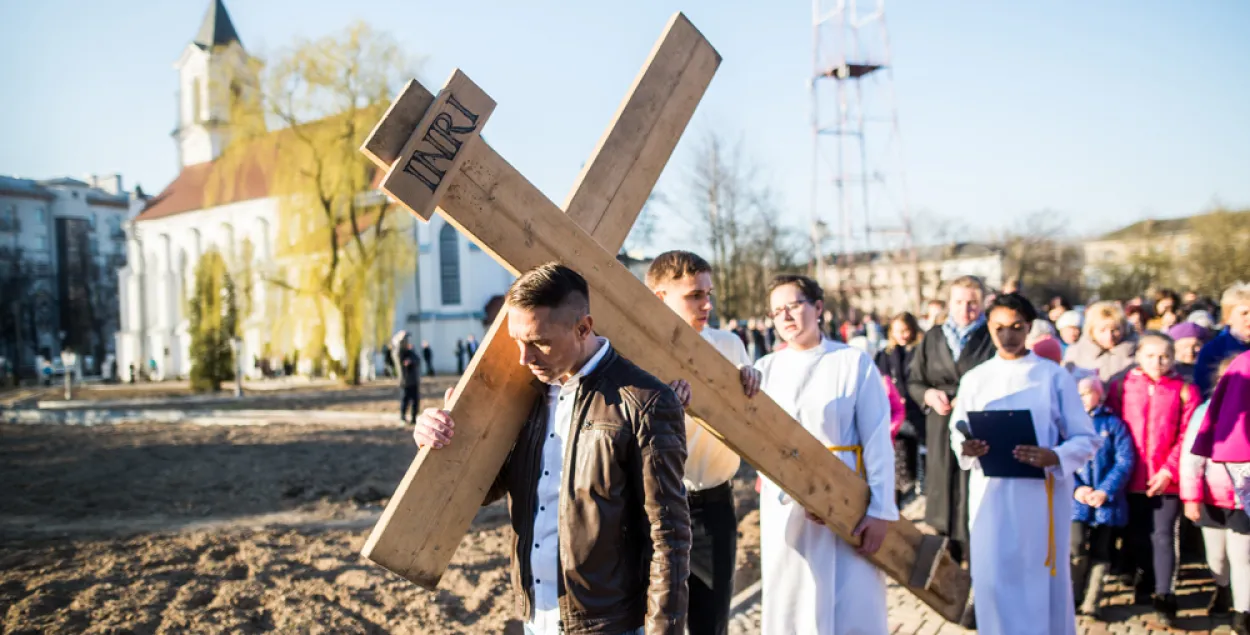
1127, 457
1142, 479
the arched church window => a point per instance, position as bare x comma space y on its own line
449, 264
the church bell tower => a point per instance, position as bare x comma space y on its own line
209, 69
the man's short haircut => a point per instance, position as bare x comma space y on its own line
552, 286
967, 282
675, 265
808, 287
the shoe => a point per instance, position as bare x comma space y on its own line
1241, 623
1093, 592
1142, 590
1165, 609
1221, 601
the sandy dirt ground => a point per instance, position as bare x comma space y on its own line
153, 528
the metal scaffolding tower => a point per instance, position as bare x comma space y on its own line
859, 200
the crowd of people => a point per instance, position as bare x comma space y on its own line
1114, 420
1144, 370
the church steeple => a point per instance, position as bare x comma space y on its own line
211, 68
217, 29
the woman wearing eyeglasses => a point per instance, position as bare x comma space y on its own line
814, 582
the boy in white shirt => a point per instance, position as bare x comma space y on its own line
683, 281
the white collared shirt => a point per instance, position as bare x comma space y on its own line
545, 552
709, 462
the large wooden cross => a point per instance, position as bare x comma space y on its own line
434, 158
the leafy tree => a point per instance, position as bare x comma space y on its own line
343, 251
214, 322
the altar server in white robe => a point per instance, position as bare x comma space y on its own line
814, 582
1020, 526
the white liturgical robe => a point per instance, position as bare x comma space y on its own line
1016, 523
813, 581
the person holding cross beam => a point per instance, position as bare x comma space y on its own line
683, 280
594, 481
814, 581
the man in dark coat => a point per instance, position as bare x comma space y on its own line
949, 350
409, 382
428, 354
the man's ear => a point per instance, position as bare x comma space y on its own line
586, 326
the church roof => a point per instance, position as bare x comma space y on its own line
217, 29
252, 180
188, 192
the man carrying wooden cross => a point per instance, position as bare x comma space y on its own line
427, 138
594, 482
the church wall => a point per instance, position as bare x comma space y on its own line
173, 246
225, 227
481, 278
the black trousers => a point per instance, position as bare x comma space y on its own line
713, 549
1092, 541
411, 396
1152, 538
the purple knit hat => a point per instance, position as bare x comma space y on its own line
1188, 329
1225, 433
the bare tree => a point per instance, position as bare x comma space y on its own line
738, 220
1040, 258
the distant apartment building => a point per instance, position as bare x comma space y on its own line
62, 243
885, 283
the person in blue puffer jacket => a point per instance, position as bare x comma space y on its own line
1101, 501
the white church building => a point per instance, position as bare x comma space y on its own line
444, 301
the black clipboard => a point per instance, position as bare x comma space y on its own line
1003, 430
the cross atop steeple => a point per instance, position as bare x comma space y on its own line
217, 29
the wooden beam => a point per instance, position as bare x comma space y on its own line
436, 500
510, 219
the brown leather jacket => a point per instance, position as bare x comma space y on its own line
624, 528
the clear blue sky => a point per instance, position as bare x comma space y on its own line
1106, 112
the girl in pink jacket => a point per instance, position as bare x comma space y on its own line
1211, 502
1156, 406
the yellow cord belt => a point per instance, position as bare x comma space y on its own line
859, 457
1050, 519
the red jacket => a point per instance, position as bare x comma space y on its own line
1157, 414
